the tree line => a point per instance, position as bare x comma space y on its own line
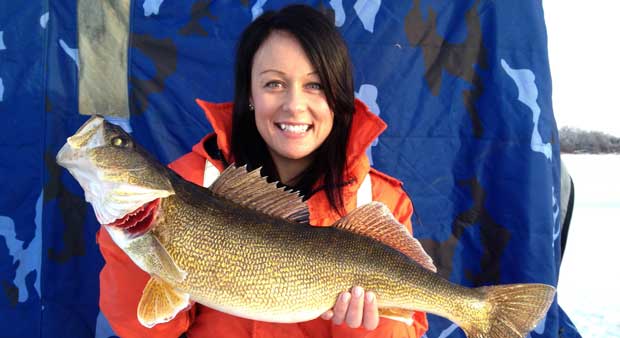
574, 140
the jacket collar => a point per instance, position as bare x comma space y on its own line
365, 127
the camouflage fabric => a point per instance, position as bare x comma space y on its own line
464, 86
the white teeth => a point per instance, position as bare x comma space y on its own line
298, 128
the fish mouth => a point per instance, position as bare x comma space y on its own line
139, 221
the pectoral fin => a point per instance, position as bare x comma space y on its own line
160, 303
168, 267
155, 259
405, 316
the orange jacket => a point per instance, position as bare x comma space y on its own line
122, 282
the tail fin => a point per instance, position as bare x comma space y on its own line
514, 310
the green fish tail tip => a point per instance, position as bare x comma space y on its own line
509, 311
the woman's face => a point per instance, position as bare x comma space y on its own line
292, 114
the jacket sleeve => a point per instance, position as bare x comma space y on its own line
387, 329
121, 282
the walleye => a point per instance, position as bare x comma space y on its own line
244, 246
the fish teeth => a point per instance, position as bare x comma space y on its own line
294, 128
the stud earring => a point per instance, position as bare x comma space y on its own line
251, 106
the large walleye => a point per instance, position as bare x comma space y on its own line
244, 247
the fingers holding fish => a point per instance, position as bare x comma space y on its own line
356, 308
340, 308
371, 311
355, 312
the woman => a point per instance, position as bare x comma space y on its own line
294, 114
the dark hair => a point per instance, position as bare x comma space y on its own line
328, 53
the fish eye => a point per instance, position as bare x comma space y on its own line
119, 142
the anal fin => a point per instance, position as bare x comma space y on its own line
160, 303
401, 315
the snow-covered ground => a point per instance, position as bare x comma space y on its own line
590, 272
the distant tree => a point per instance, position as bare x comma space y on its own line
574, 140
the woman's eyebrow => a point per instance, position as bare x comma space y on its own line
272, 70
283, 73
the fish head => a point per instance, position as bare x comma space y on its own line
120, 179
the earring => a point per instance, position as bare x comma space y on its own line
251, 106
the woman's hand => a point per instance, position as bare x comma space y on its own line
355, 308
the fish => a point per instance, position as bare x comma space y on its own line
244, 246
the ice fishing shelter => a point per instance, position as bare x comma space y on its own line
464, 86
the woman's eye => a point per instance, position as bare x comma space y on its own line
315, 85
274, 84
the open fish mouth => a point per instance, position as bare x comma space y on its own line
139, 221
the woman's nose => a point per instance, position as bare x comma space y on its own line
295, 100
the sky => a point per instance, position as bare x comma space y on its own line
584, 55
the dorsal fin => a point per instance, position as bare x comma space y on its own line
376, 221
251, 190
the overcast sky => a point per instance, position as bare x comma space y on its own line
584, 53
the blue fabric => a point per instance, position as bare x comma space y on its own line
471, 134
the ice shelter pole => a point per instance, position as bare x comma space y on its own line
103, 38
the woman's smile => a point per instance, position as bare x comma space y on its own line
294, 129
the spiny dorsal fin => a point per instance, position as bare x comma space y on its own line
251, 190
376, 221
